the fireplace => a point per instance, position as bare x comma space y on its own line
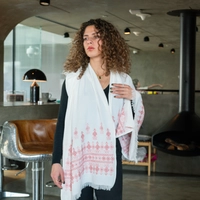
181, 135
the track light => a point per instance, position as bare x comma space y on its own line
173, 51
66, 35
127, 31
44, 2
146, 39
161, 45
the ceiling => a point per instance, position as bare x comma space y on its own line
67, 15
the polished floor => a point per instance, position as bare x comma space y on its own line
137, 186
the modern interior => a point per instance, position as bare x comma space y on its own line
164, 42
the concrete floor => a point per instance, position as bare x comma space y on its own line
137, 186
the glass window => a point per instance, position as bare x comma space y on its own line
27, 48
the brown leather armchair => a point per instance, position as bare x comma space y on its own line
30, 141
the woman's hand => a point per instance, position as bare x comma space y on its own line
122, 91
57, 175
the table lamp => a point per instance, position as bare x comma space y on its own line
34, 75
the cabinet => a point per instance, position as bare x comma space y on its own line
148, 163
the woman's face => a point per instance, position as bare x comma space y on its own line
91, 42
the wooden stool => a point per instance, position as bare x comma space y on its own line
148, 163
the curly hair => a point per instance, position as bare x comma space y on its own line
115, 51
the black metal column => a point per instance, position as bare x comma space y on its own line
187, 61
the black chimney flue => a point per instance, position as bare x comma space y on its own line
181, 135
187, 60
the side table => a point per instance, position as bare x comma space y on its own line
148, 163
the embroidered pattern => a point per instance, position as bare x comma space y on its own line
94, 134
101, 129
91, 158
125, 142
140, 117
121, 119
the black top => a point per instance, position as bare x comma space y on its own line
58, 137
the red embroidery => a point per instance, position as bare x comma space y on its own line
88, 146
93, 158
121, 118
113, 119
97, 146
108, 134
82, 136
87, 129
140, 117
125, 143
101, 129
94, 134
76, 133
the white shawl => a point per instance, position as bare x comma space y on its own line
91, 127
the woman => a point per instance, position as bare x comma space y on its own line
95, 121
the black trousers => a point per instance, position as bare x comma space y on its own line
116, 192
